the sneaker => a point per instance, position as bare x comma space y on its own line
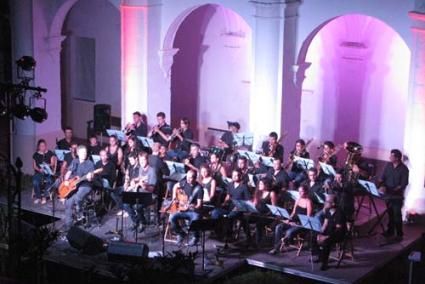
43, 200
193, 242
180, 239
37, 200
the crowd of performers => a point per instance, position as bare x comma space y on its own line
216, 180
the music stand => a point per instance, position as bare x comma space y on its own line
135, 198
319, 198
60, 154
120, 135
311, 224
243, 139
177, 171
95, 158
203, 225
146, 142
294, 194
373, 191
306, 164
328, 169
245, 206
278, 211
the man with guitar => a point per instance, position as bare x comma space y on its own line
189, 195
81, 171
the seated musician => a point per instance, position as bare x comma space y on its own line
226, 141
296, 171
264, 194
68, 158
161, 170
333, 230
314, 186
145, 182
195, 160
130, 148
328, 156
243, 167
343, 189
131, 179
236, 190
107, 178
278, 176
393, 182
42, 156
162, 131
272, 148
194, 193
94, 147
65, 143
209, 184
163, 153
303, 205
218, 171
181, 135
80, 167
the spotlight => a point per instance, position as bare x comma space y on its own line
27, 63
21, 111
38, 114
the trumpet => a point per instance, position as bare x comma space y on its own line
174, 135
129, 129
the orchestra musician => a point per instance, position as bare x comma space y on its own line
278, 177
65, 143
314, 186
329, 157
116, 156
107, 177
227, 140
394, 181
272, 148
296, 172
243, 167
94, 147
138, 127
79, 167
195, 160
42, 156
130, 148
162, 131
195, 193
209, 185
218, 171
67, 159
303, 205
181, 135
343, 189
130, 181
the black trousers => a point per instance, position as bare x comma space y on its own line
327, 245
395, 221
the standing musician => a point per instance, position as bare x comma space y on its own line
195, 194
272, 148
195, 160
138, 127
145, 182
94, 147
162, 131
303, 205
296, 171
80, 167
181, 135
355, 166
42, 156
227, 140
236, 190
65, 143
393, 182
328, 156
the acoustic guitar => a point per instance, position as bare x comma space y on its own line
65, 190
179, 204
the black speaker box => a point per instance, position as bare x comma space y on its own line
127, 252
102, 117
84, 241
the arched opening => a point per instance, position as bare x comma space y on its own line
211, 72
90, 63
357, 84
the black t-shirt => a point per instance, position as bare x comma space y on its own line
279, 179
278, 153
141, 130
296, 167
190, 189
316, 188
227, 138
93, 150
196, 162
108, 172
43, 158
345, 197
63, 144
240, 192
184, 145
393, 177
156, 137
337, 218
133, 172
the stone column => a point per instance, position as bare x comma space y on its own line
23, 138
140, 40
265, 110
414, 145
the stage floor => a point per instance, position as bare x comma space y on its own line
369, 252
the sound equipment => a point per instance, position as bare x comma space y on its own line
102, 117
127, 252
84, 241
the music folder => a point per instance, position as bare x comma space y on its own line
147, 142
310, 223
60, 154
177, 171
306, 164
46, 169
245, 206
370, 187
120, 135
278, 211
294, 194
328, 169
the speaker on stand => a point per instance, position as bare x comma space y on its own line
101, 119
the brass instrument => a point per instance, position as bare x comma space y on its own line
174, 135
354, 149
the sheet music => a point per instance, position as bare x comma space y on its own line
311, 223
46, 169
278, 211
327, 169
294, 194
243, 139
147, 142
249, 155
95, 158
177, 171
60, 154
370, 187
306, 164
120, 135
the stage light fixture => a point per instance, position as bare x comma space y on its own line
38, 114
27, 63
21, 111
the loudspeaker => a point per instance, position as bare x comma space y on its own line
84, 241
127, 252
102, 117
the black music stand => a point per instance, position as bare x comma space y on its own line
135, 198
203, 225
313, 225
